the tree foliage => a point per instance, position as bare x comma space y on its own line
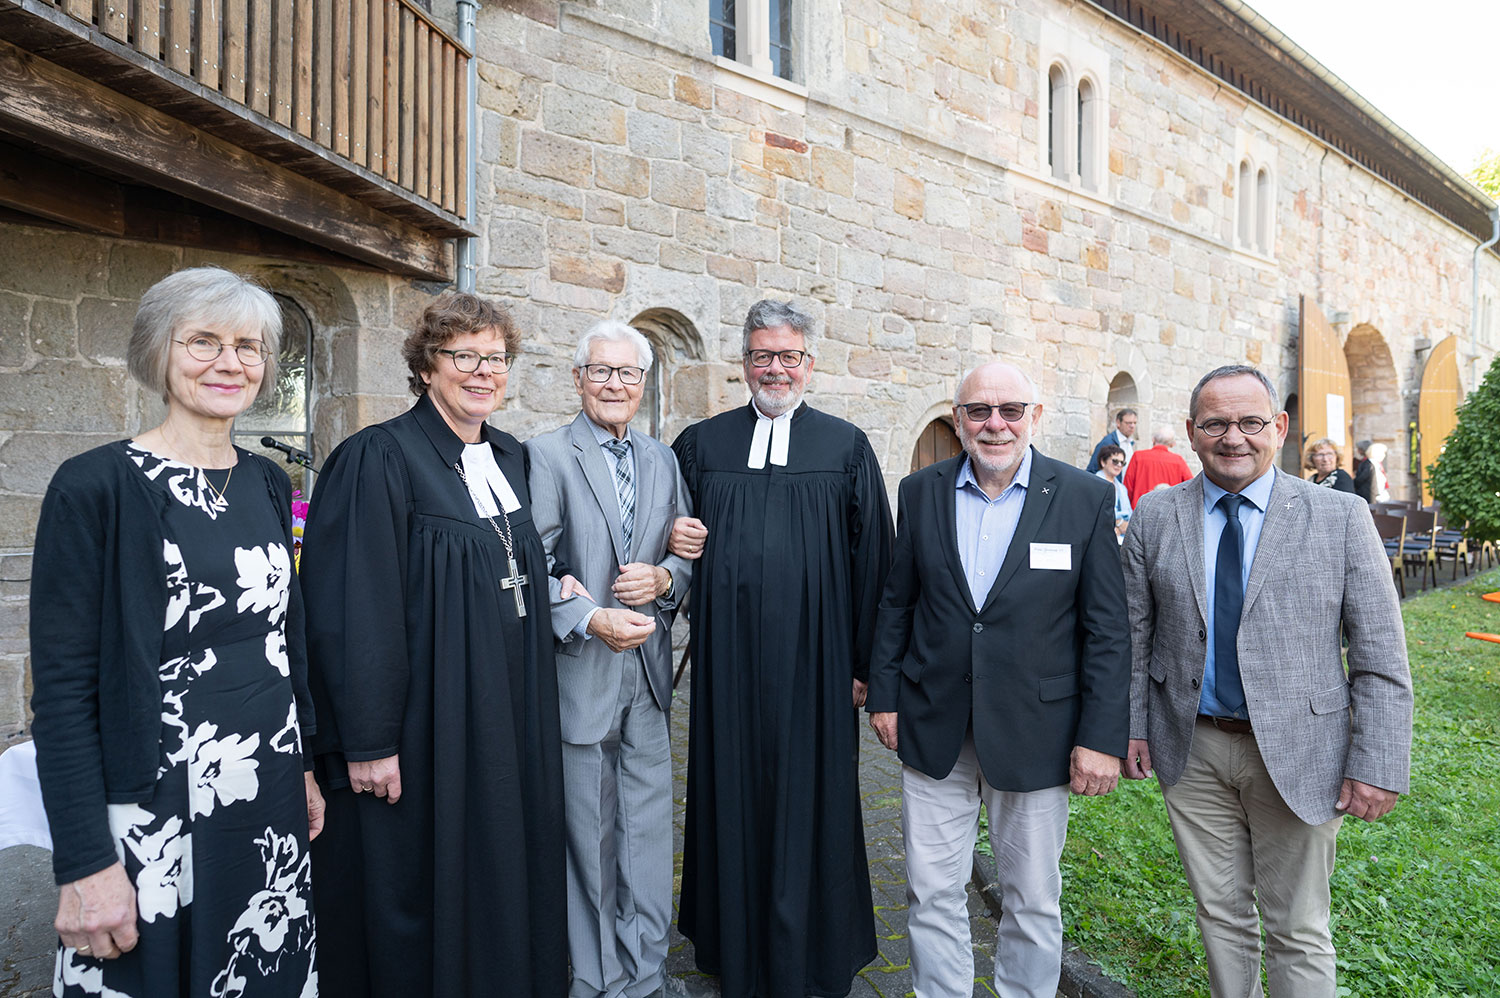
1466, 476
1486, 173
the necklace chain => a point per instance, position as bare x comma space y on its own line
505, 536
217, 491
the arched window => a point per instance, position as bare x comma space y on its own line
1264, 203
937, 443
1291, 450
1243, 232
284, 410
1057, 125
1088, 135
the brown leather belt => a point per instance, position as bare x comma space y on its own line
1230, 724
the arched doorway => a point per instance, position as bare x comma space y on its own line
1291, 448
1375, 400
1437, 408
675, 342
937, 443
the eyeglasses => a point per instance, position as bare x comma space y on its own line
467, 361
600, 373
979, 412
1249, 426
1115, 460
788, 358
252, 353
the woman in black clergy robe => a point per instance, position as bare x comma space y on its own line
431, 664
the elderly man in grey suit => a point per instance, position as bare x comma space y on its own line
605, 498
1241, 585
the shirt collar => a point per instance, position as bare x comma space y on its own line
603, 436
1022, 479
1258, 491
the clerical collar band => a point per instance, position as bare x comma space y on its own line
773, 437
487, 481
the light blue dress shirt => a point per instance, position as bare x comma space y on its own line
1122, 497
1252, 518
986, 526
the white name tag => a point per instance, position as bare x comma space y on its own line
1052, 557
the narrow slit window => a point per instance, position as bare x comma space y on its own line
1057, 130
1246, 205
1264, 204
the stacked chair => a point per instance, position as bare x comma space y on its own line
1419, 540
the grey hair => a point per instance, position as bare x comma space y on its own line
613, 331
768, 313
1163, 434
1030, 385
210, 295
1233, 371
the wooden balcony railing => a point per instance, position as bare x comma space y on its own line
375, 82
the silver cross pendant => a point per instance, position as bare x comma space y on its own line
514, 581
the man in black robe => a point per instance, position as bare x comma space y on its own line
775, 887
457, 888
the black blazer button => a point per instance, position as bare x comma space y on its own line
968, 677
1195, 684
978, 627
1202, 635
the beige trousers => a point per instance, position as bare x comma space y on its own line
1241, 845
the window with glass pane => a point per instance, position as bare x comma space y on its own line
721, 26
284, 410
781, 38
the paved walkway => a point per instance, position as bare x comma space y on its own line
28, 899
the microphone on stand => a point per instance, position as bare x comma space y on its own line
293, 455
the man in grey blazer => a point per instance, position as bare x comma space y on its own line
1241, 585
605, 498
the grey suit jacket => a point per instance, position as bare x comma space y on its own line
577, 513
1319, 563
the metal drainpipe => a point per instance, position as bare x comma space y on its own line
468, 11
1474, 308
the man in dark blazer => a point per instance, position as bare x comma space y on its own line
1001, 673
1122, 436
605, 498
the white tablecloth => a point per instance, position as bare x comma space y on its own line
22, 820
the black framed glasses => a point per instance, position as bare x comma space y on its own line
600, 373
252, 353
788, 358
1249, 425
467, 361
979, 412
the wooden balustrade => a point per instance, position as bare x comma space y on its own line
373, 81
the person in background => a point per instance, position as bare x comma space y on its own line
170, 677
1322, 459
1380, 486
431, 660
1111, 465
1122, 436
1158, 466
1364, 471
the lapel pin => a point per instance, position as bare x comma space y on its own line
1286, 505
1046, 491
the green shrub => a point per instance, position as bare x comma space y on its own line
1466, 476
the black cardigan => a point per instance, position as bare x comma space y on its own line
98, 604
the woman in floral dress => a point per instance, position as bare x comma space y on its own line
170, 678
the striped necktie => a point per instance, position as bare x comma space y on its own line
624, 488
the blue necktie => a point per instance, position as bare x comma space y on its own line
1229, 600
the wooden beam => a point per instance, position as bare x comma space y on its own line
51, 190
46, 104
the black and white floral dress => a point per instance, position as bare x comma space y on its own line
219, 854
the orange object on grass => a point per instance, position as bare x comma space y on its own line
1480, 635
1492, 597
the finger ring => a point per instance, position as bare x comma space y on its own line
85, 948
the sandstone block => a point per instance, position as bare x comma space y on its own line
909, 197
588, 272
567, 112
53, 329
679, 186
604, 209
104, 328
753, 242
675, 256
516, 244
727, 268
558, 158
18, 520
57, 396
653, 136
622, 173
691, 90
787, 162
702, 232
641, 75
833, 170
74, 263
133, 268
647, 217
861, 267
725, 200
28, 460
799, 249
13, 324
641, 247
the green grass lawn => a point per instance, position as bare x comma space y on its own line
1416, 896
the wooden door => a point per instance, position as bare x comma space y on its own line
1323, 395
937, 443
1437, 407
